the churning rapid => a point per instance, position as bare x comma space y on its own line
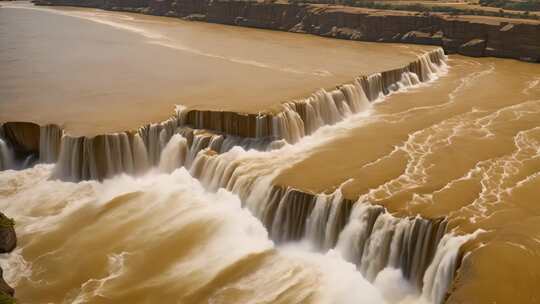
402, 185
320, 239
158, 238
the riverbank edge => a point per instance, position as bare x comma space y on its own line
474, 36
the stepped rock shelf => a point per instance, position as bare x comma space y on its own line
419, 247
467, 35
105, 155
193, 139
233, 100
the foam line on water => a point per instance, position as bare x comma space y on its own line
95, 17
177, 46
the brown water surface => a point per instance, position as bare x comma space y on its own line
95, 71
466, 147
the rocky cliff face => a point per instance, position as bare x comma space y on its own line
466, 35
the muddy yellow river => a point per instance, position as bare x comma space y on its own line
342, 172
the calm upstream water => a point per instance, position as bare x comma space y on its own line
94, 71
236, 226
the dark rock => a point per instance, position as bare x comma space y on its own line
8, 241
41, 2
422, 38
4, 287
195, 17
8, 238
474, 48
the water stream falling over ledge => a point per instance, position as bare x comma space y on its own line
102, 156
364, 234
222, 150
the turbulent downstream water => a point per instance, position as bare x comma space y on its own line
376, 191
159, 238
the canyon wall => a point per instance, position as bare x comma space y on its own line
467, 35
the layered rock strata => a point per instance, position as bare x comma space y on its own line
466, 35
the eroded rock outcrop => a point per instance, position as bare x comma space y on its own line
8, 241
467, 35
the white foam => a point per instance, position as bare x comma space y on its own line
395, 288
94, 287
164, 205
440, 273
341, 283
174, 154
531, 85
15, 267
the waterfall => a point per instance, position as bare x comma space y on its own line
50, 137
6, 156
317, 232
214, 146
373, 239
174, 154
47, 145
440, 274
300, 118
200, 142
156, 136
131, 152
364, 234
367, 236
102, 156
